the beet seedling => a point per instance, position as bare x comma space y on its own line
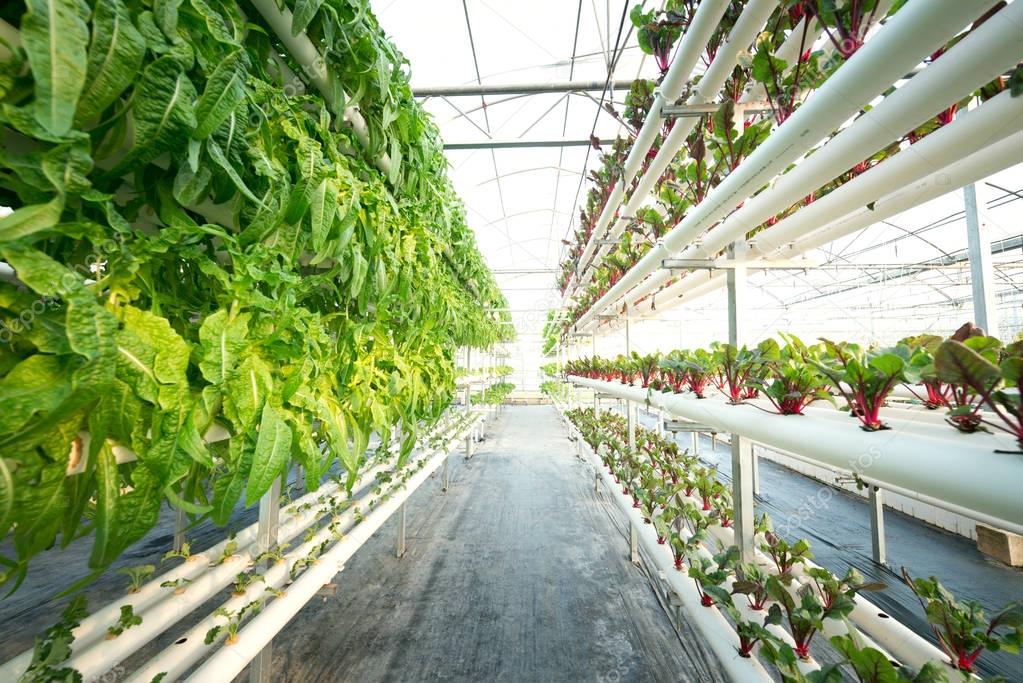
137, 576
233, 623
804, 618
751, 581
785, 555
710, 574
958, 363
125, 621
838, 594
751, 633
962, 629
865, 379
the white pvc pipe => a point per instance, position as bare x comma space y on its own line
971, 169
230, 660
314, 67
151, 595
190, 648
910, 35
693, 42
995, 119
717, 632
979, 58
94, 661
882, 632
750, 22
963, 469
784, 240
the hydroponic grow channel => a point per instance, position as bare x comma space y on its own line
632, 339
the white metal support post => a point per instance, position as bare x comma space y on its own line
630, 406
982, 273
266, 539
877, 541
630, 411
742, 448
446, 477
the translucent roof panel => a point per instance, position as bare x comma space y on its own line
522, 203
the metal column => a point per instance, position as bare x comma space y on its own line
260, 669
877, 541
630, 406
742, 448
742, 495
633, 543
446, 478
982, 273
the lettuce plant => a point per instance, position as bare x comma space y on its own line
53, 648
137, 576
125, 621
214, 250
962, 629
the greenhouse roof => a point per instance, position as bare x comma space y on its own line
523, 202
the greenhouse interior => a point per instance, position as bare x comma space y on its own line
603, 340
